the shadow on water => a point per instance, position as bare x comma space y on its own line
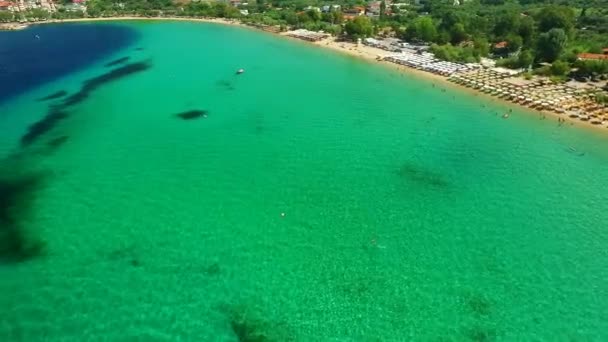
57, 113
37, 129
192, 114
18, 190
53, 96
127, 255
117, 62
481, 334
95, 82
57, 142
418, 174
248, 327
481, 309
227, 85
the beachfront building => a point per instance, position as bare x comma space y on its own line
329, 8
22, 5
310, 36
6, 6
355, 11
594, 56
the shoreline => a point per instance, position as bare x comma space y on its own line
370, 54
129, 18
366, 53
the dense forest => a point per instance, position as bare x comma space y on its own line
544, 34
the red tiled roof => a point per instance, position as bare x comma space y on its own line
592, 56
501, 45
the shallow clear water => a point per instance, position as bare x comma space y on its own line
411, 212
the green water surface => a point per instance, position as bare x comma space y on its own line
411, 213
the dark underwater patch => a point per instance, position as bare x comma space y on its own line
53, 96
481, 334
17, 192
113, 75
418, 174
139, 49
478, 305
37, 129
192, 114
126, 255
59, 112
56, 142
117, 62
225, 84
249, 328
212, 269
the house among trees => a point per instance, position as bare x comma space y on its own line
6, 6
351, 13
594, 56
329, 8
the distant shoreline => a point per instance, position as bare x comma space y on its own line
204, 20
366, 53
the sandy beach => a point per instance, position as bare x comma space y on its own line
367, 53
371, 54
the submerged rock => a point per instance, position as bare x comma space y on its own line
17, 192
56, 142
112, 75
42, 126
192, 114
59, 112
53, 96
417, 174
117, 62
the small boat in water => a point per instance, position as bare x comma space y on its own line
240, 71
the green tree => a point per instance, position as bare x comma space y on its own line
525, 59
261, 5
421, 28
333, 17
481, 46
458, 33
551, 44
560, 68
527, 30
359, 27
314, 15
506, 23
560, 17
337, 17
514, 43
6, 16
290, 17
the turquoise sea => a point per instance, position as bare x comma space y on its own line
320, 198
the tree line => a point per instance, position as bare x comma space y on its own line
519, 33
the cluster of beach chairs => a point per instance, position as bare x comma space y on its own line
310, 36
382, 44
540, 94
427, 62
